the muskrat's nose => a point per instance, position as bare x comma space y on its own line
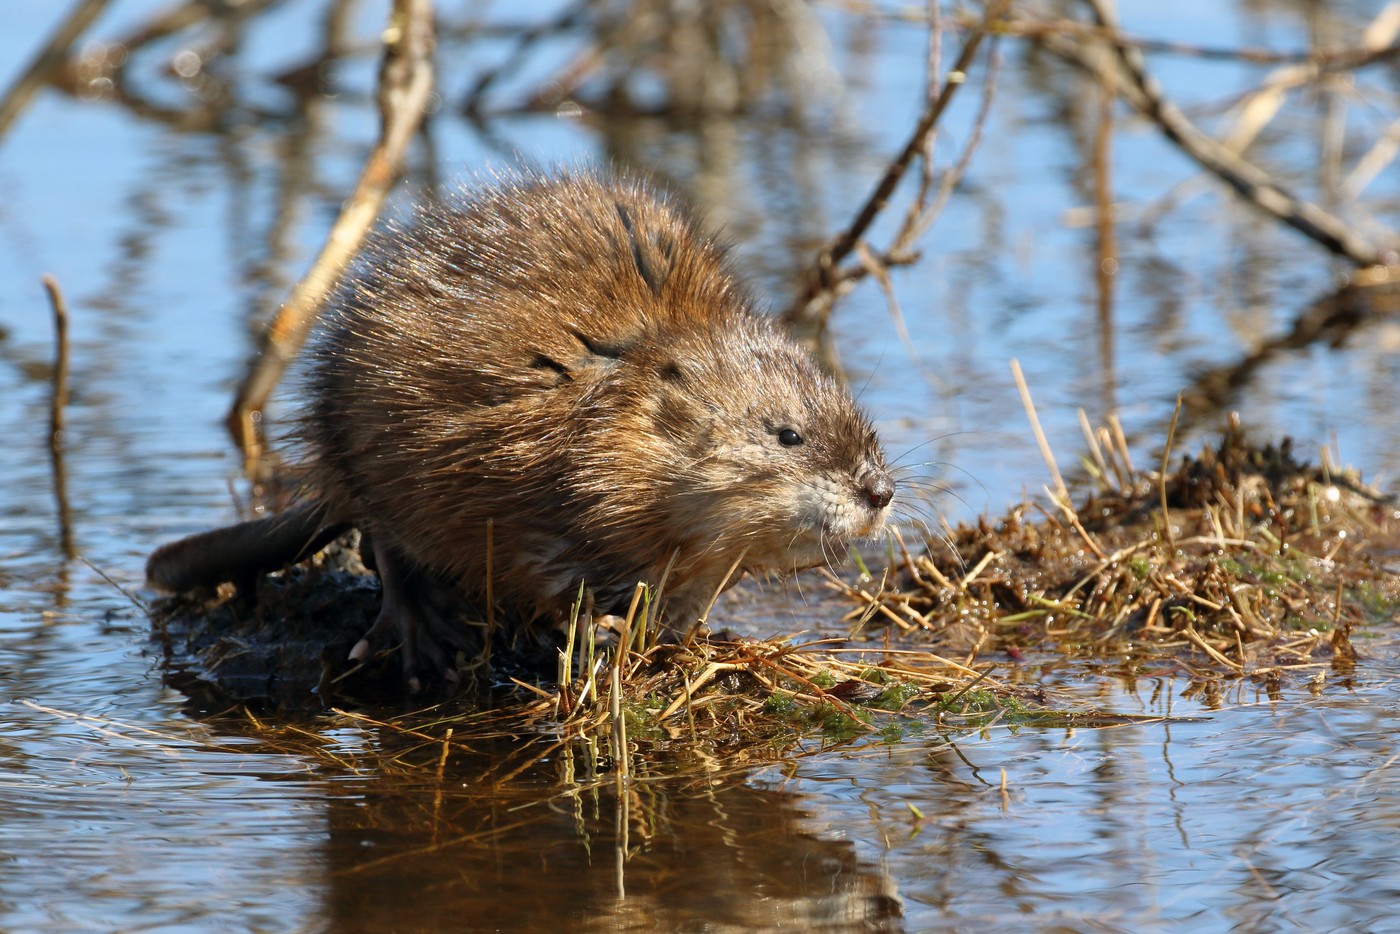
878, 489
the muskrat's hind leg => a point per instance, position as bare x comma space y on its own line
423, 613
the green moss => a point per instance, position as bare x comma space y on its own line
894, 697
1280, 573
1378, 604
641, 720
841, 723
974, 701
779, 704
1011, 704
892, 733
1232, 567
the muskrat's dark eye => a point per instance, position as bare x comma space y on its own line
789, 438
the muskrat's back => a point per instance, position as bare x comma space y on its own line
556, 381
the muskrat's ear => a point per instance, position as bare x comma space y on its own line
671, 372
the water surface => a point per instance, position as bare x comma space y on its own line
176, 225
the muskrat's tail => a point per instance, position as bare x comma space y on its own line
241, 552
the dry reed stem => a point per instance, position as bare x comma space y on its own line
58, 404
1166, 462
870, 604
723, 586
1060, 496
113, 728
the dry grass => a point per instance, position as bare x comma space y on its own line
1241, 561
703, 708
616, 703
706, 713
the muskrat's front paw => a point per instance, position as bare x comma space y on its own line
388, 633
424, 653
423, 614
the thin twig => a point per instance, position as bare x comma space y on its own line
1323, 60
922, 213
405, 85
134, 599
569, 18
920, 216
1106, 267
53, 55
812, 306
57, 404
1260, 106
1337, 59
1381, 154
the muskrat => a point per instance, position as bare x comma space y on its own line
555, 381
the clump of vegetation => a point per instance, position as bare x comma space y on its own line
610, 686
1241, 559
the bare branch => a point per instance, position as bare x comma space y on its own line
1251, 182
405, 84
813, 305
47, 62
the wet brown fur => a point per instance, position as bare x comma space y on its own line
571, 359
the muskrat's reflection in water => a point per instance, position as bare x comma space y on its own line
532, 855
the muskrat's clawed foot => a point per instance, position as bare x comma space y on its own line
422, 613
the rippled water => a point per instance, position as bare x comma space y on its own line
1259, 814
124, 808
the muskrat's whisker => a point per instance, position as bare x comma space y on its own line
898, 460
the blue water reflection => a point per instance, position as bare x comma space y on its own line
122, 809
